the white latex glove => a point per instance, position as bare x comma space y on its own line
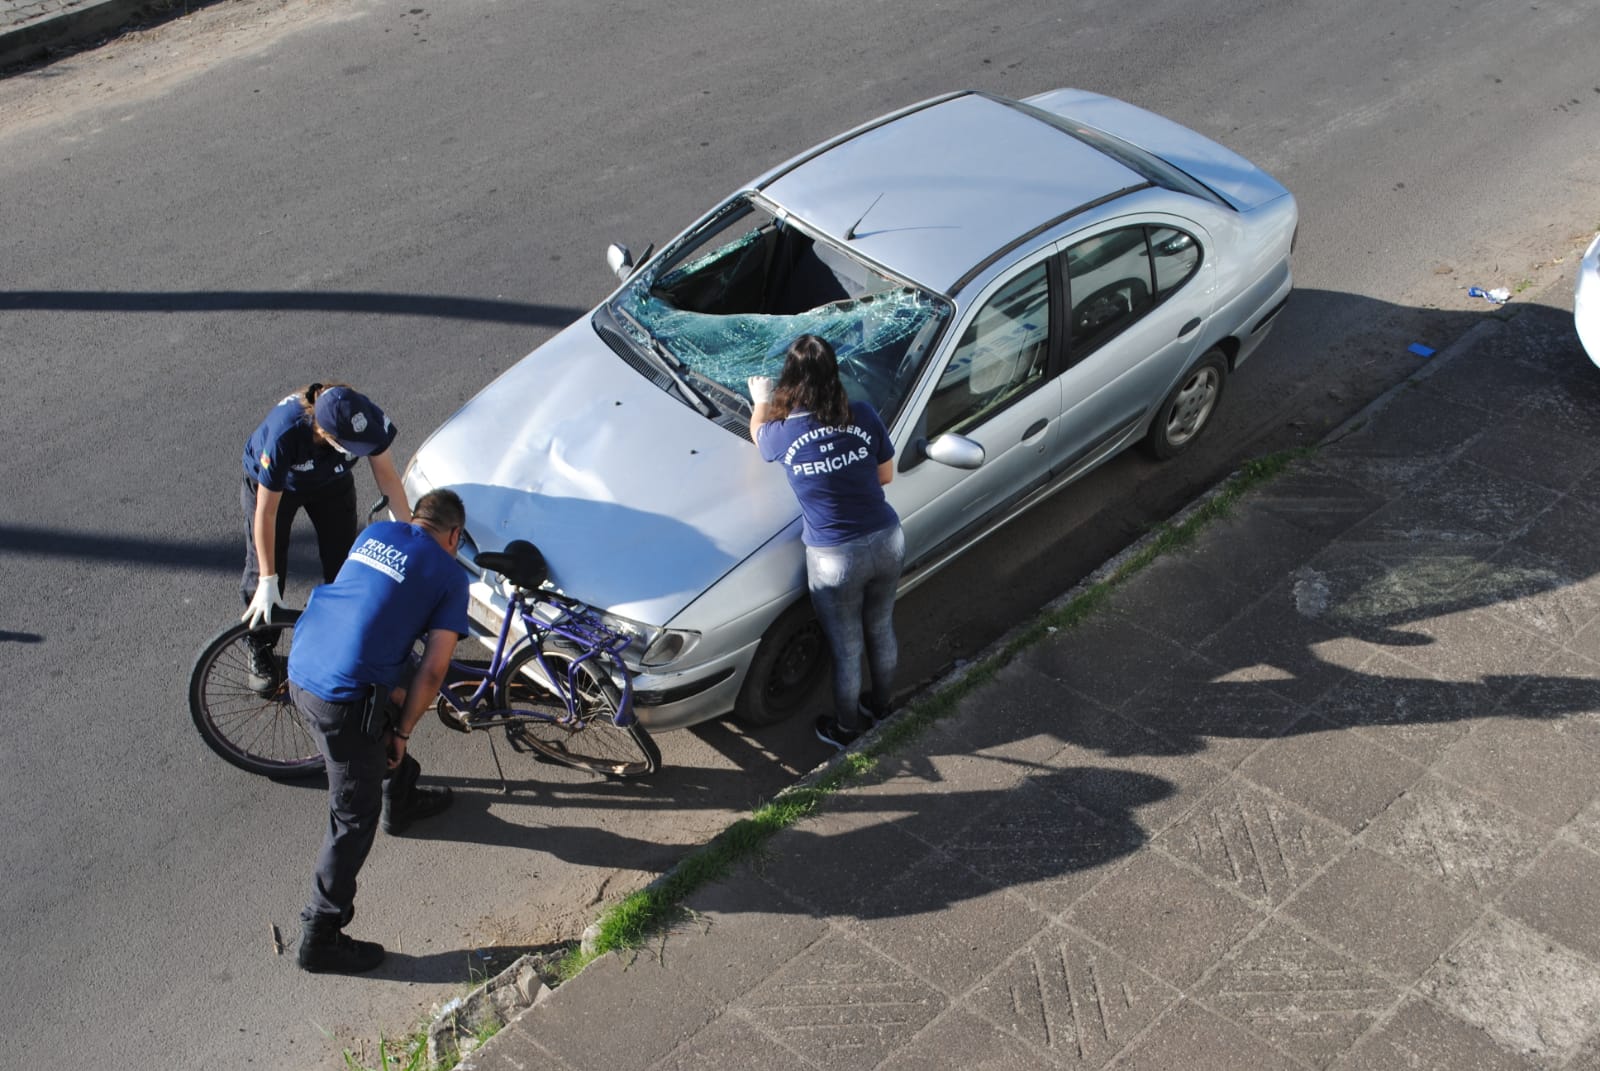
760, 389
261, 607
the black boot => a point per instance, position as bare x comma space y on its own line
326, 949
405, 802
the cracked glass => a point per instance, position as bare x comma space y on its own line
727, 301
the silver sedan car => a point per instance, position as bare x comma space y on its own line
1021, 288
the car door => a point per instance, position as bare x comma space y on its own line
1137, 296
994, 387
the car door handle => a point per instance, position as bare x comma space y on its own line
1190, 326
1035, 428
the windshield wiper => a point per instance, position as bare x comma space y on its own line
671, 366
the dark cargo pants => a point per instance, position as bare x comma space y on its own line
358, 781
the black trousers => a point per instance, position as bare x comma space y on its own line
333, 514
358, 781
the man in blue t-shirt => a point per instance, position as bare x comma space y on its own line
349, 667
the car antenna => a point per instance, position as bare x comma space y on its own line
850, 235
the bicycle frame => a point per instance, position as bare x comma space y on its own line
569, 620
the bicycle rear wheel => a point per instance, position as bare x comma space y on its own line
588, 739
259, 731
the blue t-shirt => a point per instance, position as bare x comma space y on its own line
834, 472
397, 584
285, 454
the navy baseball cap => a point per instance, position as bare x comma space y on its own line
352, 419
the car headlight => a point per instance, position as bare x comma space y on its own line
414, 482
660, 646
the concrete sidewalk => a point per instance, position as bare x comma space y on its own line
1318, 791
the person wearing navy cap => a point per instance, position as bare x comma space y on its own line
302, 457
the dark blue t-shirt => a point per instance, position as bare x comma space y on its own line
285, 454
834, 472
397, 584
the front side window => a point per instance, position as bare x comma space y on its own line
1003, 353
727, 300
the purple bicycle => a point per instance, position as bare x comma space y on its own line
559, 689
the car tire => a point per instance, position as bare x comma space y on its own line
1189, 409
789, 669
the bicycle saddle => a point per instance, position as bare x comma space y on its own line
521, 563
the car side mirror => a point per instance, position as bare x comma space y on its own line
620, 260
957, 451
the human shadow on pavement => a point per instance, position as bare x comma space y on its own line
470, 821
457, 965
906, 844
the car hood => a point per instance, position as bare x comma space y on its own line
1241, 182
638, 502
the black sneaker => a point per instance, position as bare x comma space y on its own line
871, 716
424, 801
261, 669
324, 950
829, 731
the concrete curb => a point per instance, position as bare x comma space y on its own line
33, 38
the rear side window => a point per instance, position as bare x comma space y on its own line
1117, 277
1109, 279
1174, 255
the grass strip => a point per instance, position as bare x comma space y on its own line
628, 924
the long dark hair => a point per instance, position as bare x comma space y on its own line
810, 381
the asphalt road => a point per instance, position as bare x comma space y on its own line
411, 198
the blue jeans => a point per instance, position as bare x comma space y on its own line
852, 590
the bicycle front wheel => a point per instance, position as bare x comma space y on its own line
587, 736
247, 718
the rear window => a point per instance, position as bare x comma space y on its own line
1147, 165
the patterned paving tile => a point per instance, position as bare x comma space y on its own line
1078, 1002
842, 1003
1252, 842
1308, 1000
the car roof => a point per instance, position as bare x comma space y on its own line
934, 191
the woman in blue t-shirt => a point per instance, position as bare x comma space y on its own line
302, 457
837, 456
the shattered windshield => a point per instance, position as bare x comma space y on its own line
728, 301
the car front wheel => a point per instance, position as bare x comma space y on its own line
1188, 410
788, 670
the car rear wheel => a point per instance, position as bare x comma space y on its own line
1188, 410
789, 669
